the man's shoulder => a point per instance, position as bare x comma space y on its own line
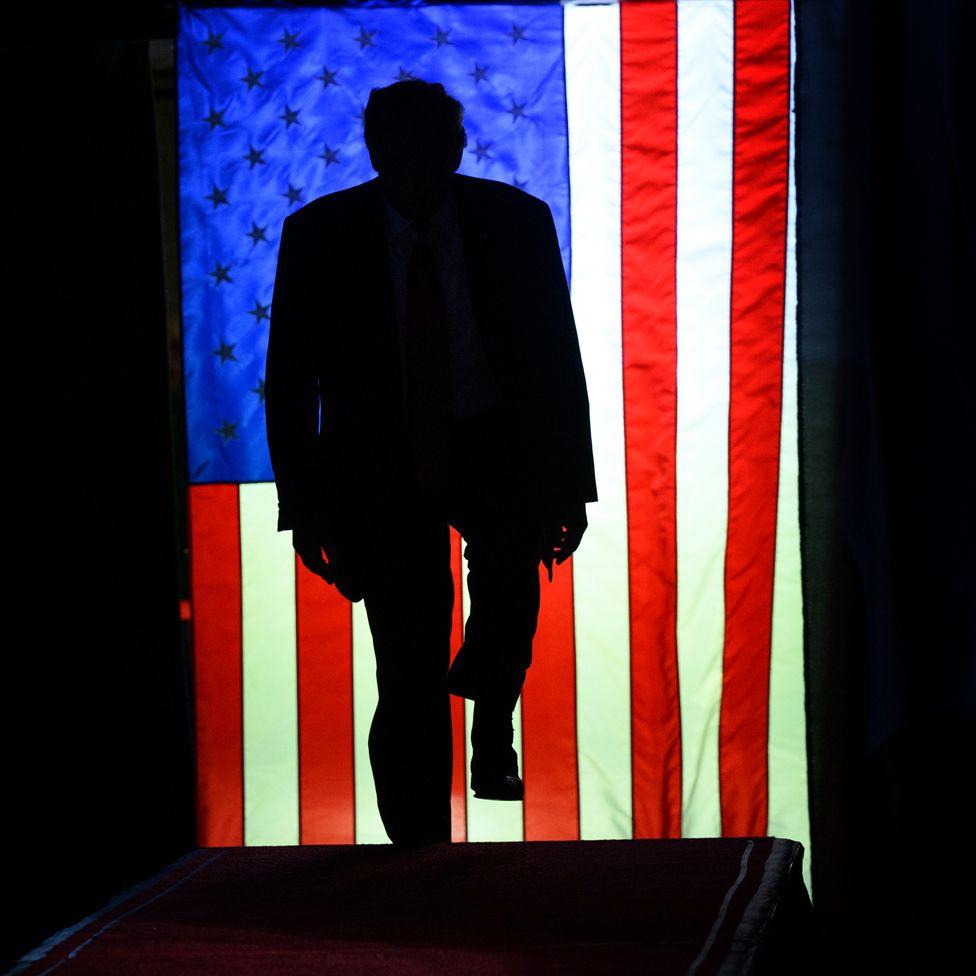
328, 205
491, 194
497, 193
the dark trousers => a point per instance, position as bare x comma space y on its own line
409, 604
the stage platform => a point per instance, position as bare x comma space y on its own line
695, 906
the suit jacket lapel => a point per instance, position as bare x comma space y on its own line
472, 229
485, 272
374, 255
376, 302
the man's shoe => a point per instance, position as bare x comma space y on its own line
411, 839
498, 786
494, 761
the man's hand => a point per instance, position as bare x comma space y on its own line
309, 542
562, 533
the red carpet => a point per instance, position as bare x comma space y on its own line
734, 905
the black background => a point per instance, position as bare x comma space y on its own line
98, 738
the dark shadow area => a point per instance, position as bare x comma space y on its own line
98, 738
887, 262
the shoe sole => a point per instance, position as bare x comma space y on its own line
489, 794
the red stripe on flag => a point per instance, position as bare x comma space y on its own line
648, 85
459, 786
761, 161
215, 585
323, 617
549, 760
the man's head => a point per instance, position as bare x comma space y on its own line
415, 137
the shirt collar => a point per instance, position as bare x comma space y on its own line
398, 223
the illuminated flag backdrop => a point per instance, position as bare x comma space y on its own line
666, 693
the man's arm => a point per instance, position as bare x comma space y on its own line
566, 403
291, 391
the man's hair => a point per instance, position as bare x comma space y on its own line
414, 117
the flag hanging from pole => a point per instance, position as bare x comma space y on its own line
665, 697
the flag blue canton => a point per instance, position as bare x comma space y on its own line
271, 116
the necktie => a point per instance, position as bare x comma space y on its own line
426, 364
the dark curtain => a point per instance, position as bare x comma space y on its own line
98, 755
886, 245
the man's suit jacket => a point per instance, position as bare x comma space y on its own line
333, 395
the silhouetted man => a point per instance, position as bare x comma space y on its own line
424, 371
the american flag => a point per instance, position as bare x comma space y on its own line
666, 694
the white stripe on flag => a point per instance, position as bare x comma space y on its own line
270, 709
704, 254
369, 824
600, 572
788, 812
